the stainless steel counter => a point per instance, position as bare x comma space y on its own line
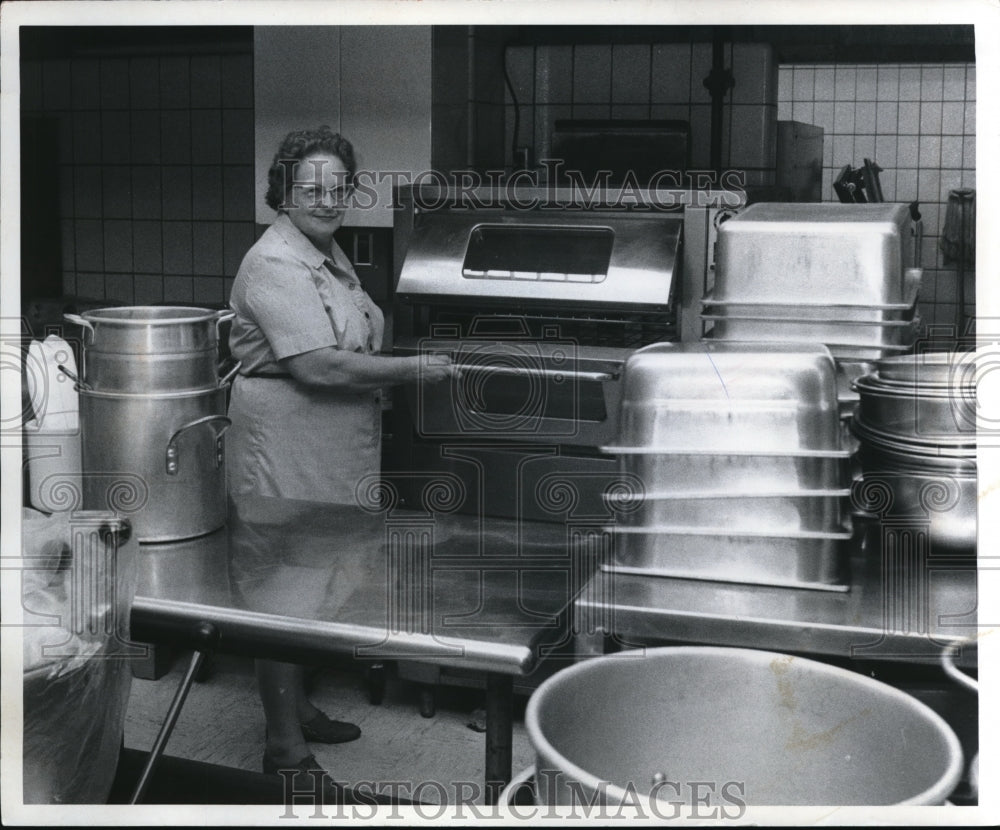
898, 608
308, 579
299, 581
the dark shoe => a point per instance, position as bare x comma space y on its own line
307, 776
325, 731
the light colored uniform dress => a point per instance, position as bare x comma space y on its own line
288, 439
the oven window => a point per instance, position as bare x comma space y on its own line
542, 253
531, 397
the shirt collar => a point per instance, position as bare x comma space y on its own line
298, 241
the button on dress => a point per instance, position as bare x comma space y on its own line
287, 439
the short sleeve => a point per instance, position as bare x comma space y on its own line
283, 300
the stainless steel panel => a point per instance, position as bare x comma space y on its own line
814, 253
640, 270
783, 559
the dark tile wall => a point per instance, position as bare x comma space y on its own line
154, 158
648, 81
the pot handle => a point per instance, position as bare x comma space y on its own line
80, 384
221, 317
230, 374
172, 459
950, 669
79, 321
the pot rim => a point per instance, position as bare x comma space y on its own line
945, 446
935, 794
182, 315
181, 393
921, 390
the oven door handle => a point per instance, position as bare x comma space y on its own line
558, 374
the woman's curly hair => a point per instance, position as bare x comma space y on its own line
300, 144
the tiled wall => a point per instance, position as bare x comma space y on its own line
155, 171
918, 123
649, 81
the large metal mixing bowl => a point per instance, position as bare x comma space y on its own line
760, 728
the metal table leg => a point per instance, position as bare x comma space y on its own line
208, 637
499, 734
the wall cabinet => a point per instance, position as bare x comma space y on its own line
370, 83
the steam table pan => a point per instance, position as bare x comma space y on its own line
725, 426
804, 560
724, 396
755, 511
840, 351
787, 329
681, 470
815, 308
778, 253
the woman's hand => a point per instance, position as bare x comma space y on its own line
433, 368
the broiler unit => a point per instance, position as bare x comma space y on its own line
540, 308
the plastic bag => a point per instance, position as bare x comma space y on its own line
77, 590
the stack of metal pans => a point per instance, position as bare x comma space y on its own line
916, 423
817, 273
738, 465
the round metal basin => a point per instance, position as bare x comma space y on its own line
754, 727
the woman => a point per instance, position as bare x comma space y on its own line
306, 406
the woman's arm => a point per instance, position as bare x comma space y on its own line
354, 372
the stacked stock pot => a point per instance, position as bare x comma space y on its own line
916, 421
152, 418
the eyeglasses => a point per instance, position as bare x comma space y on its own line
311, 196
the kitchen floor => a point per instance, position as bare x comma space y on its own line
222, 723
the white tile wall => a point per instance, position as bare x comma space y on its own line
918, 123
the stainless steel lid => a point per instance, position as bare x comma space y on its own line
574, 258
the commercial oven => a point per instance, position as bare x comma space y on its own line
539, 295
